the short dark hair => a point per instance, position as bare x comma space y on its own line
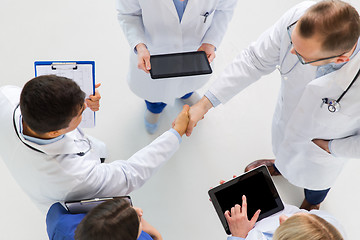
48, 103
336, 21
114, 219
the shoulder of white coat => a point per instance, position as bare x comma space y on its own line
10, 89
299, 9
331, 219
12, 93
293, 14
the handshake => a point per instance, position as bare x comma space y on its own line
181, 122
189, 117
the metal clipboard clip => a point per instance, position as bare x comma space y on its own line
64, 65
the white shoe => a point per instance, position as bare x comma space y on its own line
151, 121
194, 98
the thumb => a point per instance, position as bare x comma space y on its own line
211, 57
227, 215
147, 63
97, 85
189, 130
255, 217
186, 108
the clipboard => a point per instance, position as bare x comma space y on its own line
82, 72
85, 206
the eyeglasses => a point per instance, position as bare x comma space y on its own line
301, 59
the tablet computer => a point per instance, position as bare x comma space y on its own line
179, 65
260, 192
84, 206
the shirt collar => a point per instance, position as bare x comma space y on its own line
330, 67
38, 141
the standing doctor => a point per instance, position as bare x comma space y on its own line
165, 26
316, 49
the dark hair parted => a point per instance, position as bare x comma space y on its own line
336, 22
114, 219
48, 103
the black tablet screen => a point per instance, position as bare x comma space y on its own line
179, 64
256, 190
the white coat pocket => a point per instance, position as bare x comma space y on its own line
204, 22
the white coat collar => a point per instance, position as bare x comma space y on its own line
191, 11
72, 143
170, 4
351, 69
342, 77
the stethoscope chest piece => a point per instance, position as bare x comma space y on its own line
333, 105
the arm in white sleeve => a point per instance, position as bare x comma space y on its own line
346, 147
122, 177
222, 16
130, 19
259, 59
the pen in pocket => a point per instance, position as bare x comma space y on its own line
206, 15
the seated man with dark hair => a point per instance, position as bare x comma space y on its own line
114, 219
53, 160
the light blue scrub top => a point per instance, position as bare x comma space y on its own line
180, 7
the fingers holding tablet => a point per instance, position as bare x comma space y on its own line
260, 191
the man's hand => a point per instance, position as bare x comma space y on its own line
93, 102
209, 49
238, 221
182, 120
143, 57
324, 144
149, 229
197, 113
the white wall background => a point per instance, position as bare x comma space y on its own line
175, 200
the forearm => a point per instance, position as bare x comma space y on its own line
130, 19
241, 73
149, 229
122, 177
259, 59
144, 163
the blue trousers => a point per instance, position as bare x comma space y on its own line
158, 107
314, 197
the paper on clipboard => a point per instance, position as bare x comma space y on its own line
81, 72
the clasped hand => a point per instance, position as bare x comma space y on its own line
93, 102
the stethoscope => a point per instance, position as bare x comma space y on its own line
334, 105
37, 150
278, 66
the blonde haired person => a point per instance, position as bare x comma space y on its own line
306, 226
291, 223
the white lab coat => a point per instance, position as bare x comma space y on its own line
271, 223
156, 24
298, 117
61, 174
